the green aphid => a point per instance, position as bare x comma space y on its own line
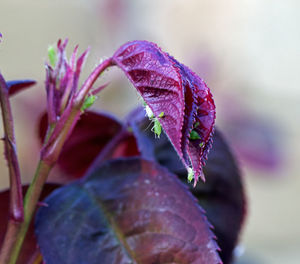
88, 102
190, 176
156, 127
161, 115
194, 135
196, 124
52, 56
201, 145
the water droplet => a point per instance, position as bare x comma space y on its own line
147, 181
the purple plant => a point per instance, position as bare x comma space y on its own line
128, 199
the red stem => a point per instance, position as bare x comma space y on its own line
49, 154
16, 199
91, 80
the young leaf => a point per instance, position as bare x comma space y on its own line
126, 211
222, 195
170, 87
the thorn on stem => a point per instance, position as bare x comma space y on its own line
42, 204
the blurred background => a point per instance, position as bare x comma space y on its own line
247, 51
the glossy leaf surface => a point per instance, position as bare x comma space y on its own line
222, 195
29, 250
126, 211
169, 87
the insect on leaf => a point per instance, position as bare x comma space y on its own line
171, 88
222, 195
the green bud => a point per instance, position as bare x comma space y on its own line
52, 56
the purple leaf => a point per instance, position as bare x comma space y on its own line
171, 88
30, 248
17, 86
126, 211
222, 195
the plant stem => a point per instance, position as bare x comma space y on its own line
16, 212
49, 156
92, 78
34, 191
30, 201
16, 199
9, 241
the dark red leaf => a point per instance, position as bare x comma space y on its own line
171, 88
91, 134
126, 211
222, 196
29, 249
17, 86
126, 148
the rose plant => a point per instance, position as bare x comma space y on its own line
131, 189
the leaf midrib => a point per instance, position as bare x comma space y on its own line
111, 222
